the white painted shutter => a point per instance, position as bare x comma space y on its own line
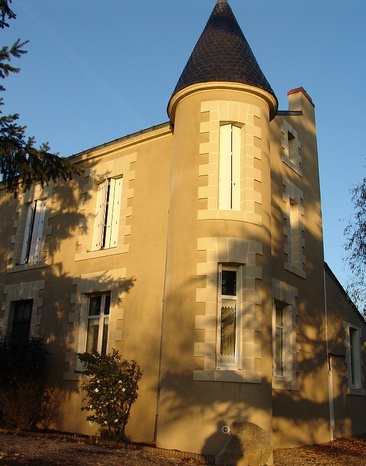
35, 247
100, 215
115, 210
225, 168
27, 233
235, 177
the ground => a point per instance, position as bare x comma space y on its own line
52, 450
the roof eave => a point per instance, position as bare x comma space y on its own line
268, 97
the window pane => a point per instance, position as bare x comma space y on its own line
279, 316
107, 304
279, 343
95, 305
228, 330
353, 335
228, 283
22, 319
279, 351
105, 335
92, 340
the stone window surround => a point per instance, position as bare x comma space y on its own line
87, 284
287, 295
246, 116
24, 199
228, 250
121, 166
20, 292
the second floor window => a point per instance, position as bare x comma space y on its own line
229, 169
33, 232
107, 214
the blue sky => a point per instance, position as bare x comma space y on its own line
97, 70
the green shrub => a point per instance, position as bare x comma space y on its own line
21, 361
22, 382
111, 388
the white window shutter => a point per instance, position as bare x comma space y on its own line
109, 220
225, 168
115, 210
100, 215
27, 233
235, 178
35, 247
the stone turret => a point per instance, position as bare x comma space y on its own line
223, 55
219, 226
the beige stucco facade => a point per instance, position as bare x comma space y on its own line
170, 243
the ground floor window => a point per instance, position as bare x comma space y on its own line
98, 322
284, 361
229, 326
353, 356
22, 319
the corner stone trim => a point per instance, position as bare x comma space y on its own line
247, 116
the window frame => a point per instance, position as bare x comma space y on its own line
291, 147
237, 298
103, 316
33, 231
285, 374
286, 377
353, 335
108, 212
20, 333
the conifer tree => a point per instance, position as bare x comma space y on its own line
21, 163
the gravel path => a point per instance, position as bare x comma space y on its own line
68, 450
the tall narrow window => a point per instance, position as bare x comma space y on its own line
107, 214
33, 232
354, 361
22, 319
283, 359
98, 323
279, 346
229, 325
229, 171
294, 238
292, 148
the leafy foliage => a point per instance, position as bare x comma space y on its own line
23, 394
111, 388
355, 246
21, 361
21, 163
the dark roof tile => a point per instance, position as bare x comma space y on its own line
222, 54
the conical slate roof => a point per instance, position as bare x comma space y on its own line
222, 54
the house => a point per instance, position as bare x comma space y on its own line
195, 247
